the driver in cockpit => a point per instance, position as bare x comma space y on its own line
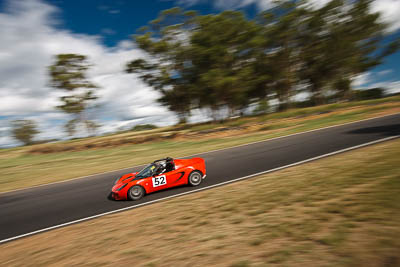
163, 166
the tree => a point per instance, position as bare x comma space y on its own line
197, 61
222, 58
167, 69
281, 29
68, 73
224, 62
24, 131
143, 127
338, 42
315, 39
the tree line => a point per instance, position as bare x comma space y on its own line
223, 63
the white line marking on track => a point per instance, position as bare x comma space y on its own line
206, 152
200, 189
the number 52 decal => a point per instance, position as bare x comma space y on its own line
160, 180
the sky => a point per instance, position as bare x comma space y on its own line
33, 31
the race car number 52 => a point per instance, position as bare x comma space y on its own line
157, 181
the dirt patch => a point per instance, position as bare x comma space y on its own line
107, 143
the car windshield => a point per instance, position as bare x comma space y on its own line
147, 171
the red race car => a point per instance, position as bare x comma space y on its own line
159, 175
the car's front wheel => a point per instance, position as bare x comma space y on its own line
195, 178
135, 192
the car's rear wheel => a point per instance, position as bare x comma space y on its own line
135, 192
195, 178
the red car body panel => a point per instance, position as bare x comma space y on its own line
177, 177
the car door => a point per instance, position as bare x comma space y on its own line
167, 180
159, 182
175, 178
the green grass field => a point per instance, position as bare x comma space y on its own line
20, 169
342, 210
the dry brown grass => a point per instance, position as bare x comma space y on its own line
339, 211
247, 126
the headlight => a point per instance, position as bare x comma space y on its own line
117, 180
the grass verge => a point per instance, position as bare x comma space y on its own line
21, 169
339, 211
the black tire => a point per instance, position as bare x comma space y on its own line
110, 196
136, 192
195, 178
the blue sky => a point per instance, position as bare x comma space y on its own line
118, 20
113, 20
33, 31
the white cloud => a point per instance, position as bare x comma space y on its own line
108, 9
29, 39
384, 72
231, 4
234, 4
390, 9
366, 80
108, 31
360, 81
390, 87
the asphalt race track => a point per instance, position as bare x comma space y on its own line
32, 209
